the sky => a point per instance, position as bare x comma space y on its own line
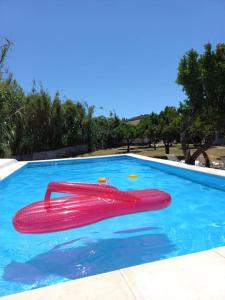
119, 55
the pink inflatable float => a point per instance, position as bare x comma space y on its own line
89, 203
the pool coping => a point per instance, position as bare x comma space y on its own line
210, 171
196, 276
134, 282
13, 167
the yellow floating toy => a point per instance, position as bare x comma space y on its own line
133, 176
102, 180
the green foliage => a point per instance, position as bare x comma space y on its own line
149, 127
126, 132
202, 77
36, 121
106, 133
4, 49
169, 120
70, 124
203, 80
11, 109
56, 123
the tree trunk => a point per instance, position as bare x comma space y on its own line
184, 146
192, 158
187, 154
128, 146
206, 157
167, 148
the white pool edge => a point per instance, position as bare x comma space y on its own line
196, 276
180, 165
9, 170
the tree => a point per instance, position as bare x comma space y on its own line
81, 115
37, 124
149, 128
203, 79
11, 106
70, 124
169, 121
127, 132
101, 132
105, 133
89, 129
56, 123
11, 97
13, 121
113, 123
4, 49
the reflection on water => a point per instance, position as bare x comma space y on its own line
92, 257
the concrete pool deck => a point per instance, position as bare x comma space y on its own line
198, 276
9, 166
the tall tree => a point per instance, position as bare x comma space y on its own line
37, 123
169, 120
70, 128
56, 121
89, 129
128, 133
4, 49
11, 106
149, 128
203, 79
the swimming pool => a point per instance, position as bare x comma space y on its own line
195, 221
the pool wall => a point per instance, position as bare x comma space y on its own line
210, 177
213, 178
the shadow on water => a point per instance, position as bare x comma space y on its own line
93, 257
139, 229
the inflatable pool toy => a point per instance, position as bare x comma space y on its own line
133, 176
102, 180
88, 204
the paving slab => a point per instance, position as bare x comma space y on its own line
6, 161
10, 169
220, 251
199, 276
108, 286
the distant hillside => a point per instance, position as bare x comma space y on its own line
135, 120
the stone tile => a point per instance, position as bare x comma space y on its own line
5, 162
108, 286
220, 251
199, 276
10, 169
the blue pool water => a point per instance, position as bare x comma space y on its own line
195, 221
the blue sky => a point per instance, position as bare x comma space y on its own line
121, 55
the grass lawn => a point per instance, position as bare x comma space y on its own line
214, 152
